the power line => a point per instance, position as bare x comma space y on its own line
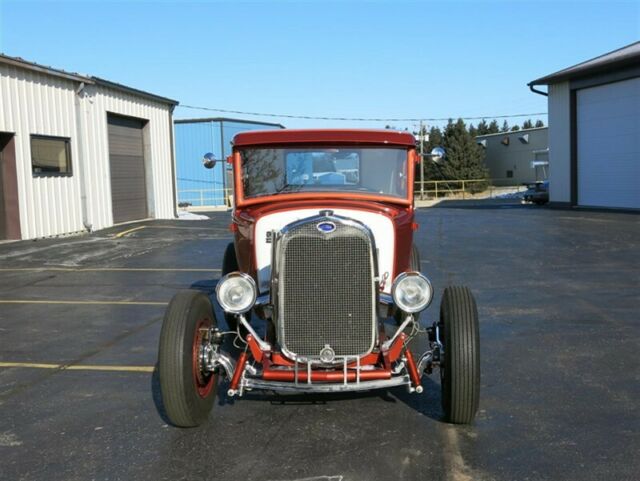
359, 119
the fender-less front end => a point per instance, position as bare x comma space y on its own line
324, 302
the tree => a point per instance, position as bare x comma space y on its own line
483, 128
464, 157
527, 124
473, 132
505, 126
515, 128
539, 123
493, 127
431, 171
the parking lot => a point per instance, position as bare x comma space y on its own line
558, 297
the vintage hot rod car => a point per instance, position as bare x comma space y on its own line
323, 255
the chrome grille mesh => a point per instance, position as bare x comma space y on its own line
326, 290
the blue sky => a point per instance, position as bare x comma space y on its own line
347, 58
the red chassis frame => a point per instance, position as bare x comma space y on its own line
276, 367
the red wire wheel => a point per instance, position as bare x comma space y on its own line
203, 380
188, 390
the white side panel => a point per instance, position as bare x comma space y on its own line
96, 104
559, 143
35, 103
608, 135
381, 227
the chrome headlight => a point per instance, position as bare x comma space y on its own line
236, 292
412, 292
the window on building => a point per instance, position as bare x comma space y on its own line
50, 155
509, 174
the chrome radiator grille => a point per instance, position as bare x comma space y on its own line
326, 290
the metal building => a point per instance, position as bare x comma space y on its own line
515, 158
594, 131
80, 153
198, 186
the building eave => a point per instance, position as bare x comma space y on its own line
617, 59
34, 67
140, 93
226, 119
512, 132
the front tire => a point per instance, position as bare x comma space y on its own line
188, 391
460, 371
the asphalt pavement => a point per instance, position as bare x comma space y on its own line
559, 304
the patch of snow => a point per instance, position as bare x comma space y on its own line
8, 439
509, 195
186, 215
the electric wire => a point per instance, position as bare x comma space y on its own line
360, 119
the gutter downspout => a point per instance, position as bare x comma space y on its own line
82, 164
173, 162
539, 92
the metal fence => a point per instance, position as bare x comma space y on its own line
205, 197
434, 189
429, 189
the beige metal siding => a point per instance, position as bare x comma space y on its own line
36, 103
126, 163
513, 155
97, 103
559, 143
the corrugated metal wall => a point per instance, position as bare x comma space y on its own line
95, 104
197, 185
37, 103
514, 156
559, 143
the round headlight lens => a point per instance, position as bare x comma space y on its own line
236, 292
412, 292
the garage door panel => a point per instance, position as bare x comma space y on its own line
127, 163
120, 148
608, 145
126, 158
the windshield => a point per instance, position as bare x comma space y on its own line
372, 170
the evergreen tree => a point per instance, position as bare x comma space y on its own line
505, 126
431, 170
483, 128
464, 157
473, 132
493, 127
527, 124
539, 123
515, 128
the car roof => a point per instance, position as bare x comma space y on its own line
324, 136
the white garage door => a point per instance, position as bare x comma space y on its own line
608, 136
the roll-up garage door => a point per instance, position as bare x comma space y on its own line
126, 158
608, 140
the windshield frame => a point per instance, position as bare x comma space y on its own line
240, 200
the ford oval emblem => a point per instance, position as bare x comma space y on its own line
326, 227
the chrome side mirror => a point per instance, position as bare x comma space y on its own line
209, 160
437, 154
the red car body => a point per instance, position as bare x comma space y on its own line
248, 211
323, 256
